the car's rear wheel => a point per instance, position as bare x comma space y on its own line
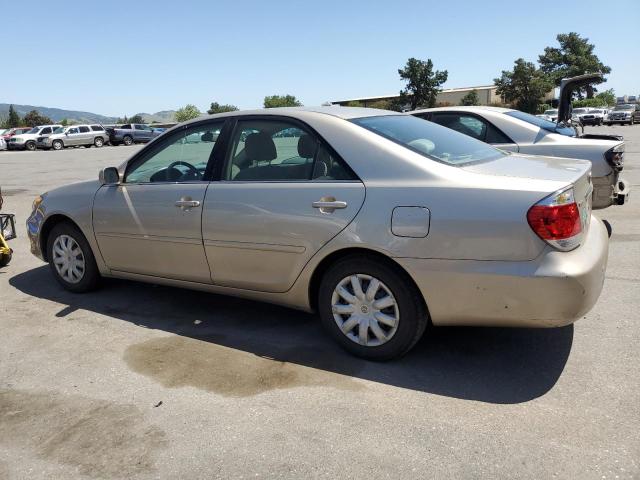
98, 142
371, 308
31, 146
127, 140
71, 259
57, 145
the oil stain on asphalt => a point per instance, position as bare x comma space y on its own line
183, 361
97, 437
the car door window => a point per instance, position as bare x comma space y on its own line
84, 129
45, 131
139, 127
277, 150
72, 130
183, 157
467, 124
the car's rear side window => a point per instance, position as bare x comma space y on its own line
97, 128
429, 139
84, 129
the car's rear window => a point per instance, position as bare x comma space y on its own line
542, 123
429, 139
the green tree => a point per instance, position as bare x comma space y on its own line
574, 57
608, 97
34, 118
274, 101
354, 103
470, 98
423, 84
525, 86
64, 122
13, 120
137, 118
187, 112
217, 108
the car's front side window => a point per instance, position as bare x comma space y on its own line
277, 150
183, 157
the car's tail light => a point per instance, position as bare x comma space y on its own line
556, 220
615, 157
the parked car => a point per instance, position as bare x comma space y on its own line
131, 133
593, 116
28, 140
7, 134
3, 144
624, 114
551, 115
75, 136
445, 217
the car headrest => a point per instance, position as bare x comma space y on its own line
306, 146
260, 147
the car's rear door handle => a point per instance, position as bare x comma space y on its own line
186, 203
328, 205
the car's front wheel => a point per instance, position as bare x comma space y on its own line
71, 259
371, 308
31, 146
57, 145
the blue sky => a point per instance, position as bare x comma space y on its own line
125, 57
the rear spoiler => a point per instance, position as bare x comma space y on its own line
567, 88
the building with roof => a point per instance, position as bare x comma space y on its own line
450, 96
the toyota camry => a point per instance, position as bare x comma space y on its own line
383, 223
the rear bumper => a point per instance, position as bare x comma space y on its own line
553, 290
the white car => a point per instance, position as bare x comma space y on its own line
517, 131
3, 144
551, 115
28, 140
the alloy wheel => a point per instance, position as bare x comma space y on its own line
68, 259
365, 310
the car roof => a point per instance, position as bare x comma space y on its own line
346, 113
461, 108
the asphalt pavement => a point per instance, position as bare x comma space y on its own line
142, 381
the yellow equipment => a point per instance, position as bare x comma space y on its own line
7, 232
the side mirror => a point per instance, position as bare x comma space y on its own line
109, 176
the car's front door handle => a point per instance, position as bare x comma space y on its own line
186, 203
328, 205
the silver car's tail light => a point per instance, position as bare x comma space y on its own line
556, 220
615, 157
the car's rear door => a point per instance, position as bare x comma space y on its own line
283, 193
475, 126
151, 223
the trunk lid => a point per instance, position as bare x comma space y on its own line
568, 171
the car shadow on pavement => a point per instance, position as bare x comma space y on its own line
496, 365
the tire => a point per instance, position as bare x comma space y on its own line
57, 145
127, 140
405, 321
98, 142
5, 258
31, 146
67, 238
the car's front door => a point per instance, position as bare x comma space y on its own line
151, 223
283, 194
72, 137
142, 133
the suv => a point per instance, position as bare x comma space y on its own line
131, 133
625, 113
75, 136
7, 134
28, 140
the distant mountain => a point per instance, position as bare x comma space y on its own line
58, 114
73, 116
166, 116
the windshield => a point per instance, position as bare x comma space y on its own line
33, 130
624, 107
580, 110
59, 130
542, 123
429, 139
550, 112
